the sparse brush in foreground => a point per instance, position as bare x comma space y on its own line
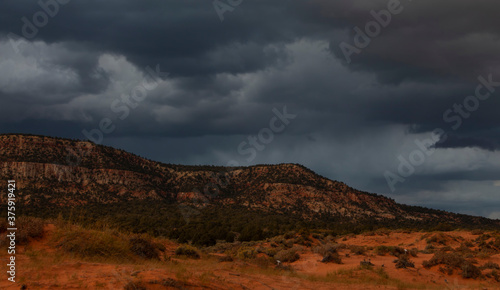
188, 251
453, 261
329, 252
108, 244
91, 243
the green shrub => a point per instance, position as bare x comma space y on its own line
188, 251
270, 252
246, 253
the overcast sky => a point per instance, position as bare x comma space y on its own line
396, 98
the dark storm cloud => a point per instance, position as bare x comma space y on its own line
426, 44
185, 36
224, 79
426, 38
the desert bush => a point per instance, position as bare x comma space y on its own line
326, 248
29, 228
490, 265
271, 252
453, 261
463, 249
317, 236
439, 238
382, 250
144, 247
395, 251
188, 251
91, 243
246, 253
332, 258
483, 237
287, 255
443, 227
357, 250
429, 249
477, 232
446, 249
404, 262
299, 240
289, 243
135, 285
496, 274
469, 270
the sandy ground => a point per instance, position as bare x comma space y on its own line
40, 266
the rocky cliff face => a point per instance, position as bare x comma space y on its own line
63, 172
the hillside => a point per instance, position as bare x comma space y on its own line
54, 173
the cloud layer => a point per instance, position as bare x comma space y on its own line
220, 82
